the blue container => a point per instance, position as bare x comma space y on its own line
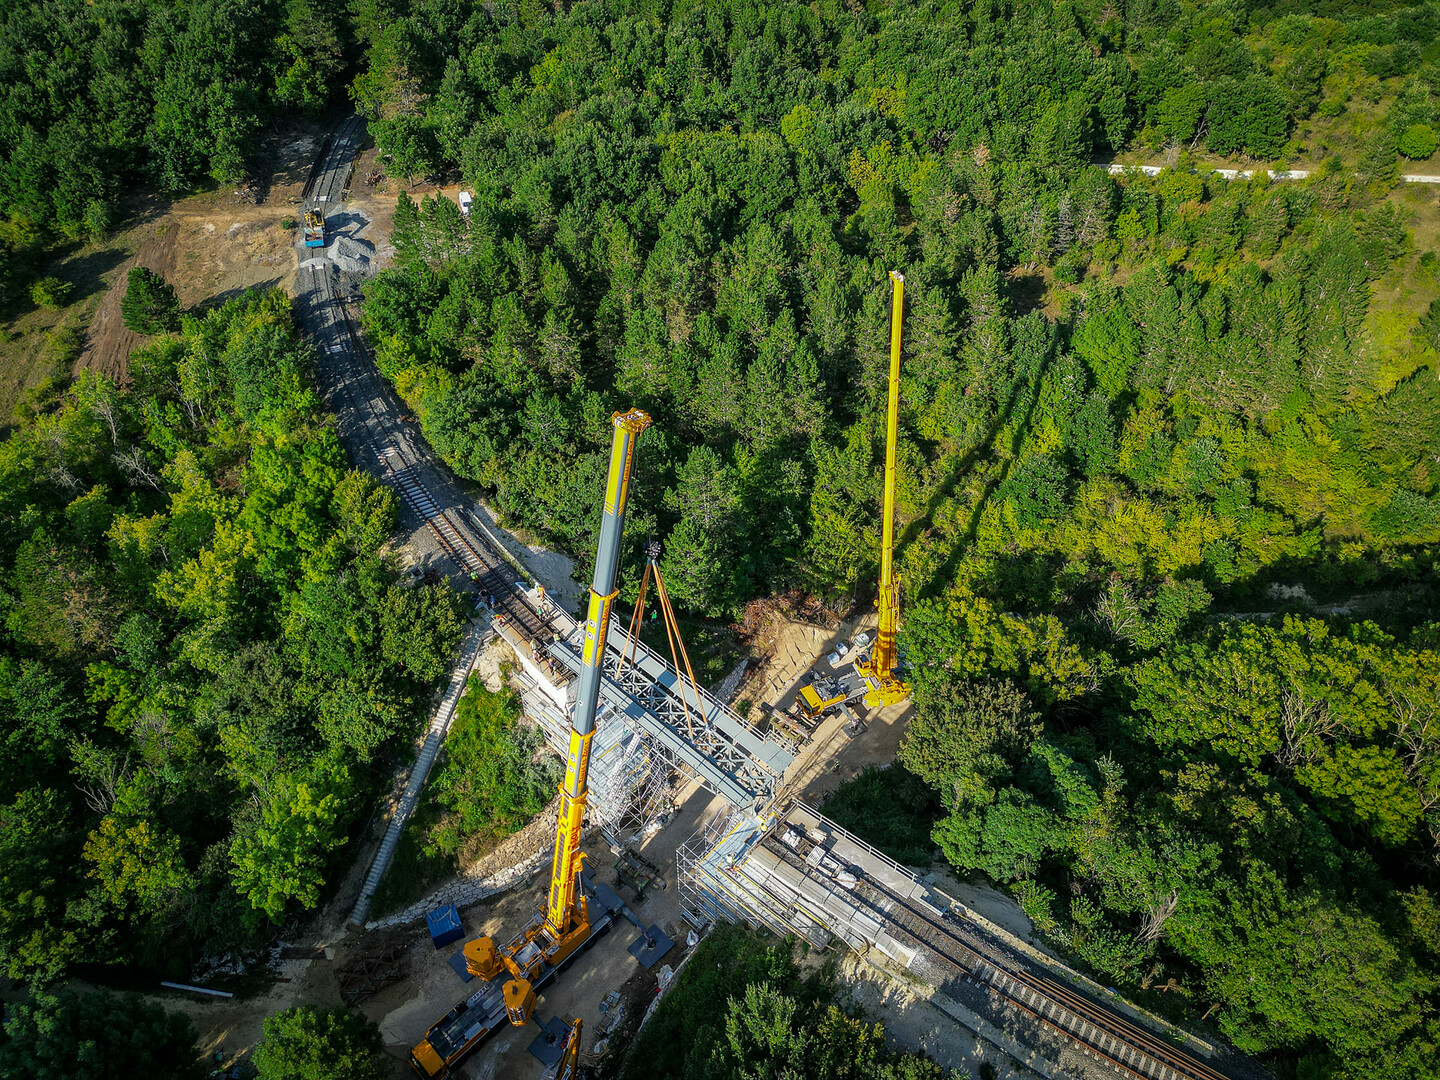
444, 925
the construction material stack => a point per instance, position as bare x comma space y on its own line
511, 973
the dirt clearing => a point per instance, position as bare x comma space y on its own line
211, 247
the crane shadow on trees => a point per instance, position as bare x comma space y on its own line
1023, 390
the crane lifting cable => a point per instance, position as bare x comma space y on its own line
672, 634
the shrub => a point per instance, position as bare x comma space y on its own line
50, 292
1419, 142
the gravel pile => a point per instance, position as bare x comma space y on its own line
350, 255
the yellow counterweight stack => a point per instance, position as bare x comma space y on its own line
879, 670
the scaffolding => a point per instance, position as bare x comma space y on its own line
794, 873
719, 748
704, 862
629, 775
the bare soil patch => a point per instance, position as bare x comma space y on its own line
211, 246
109, 342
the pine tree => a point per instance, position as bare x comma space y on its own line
150, 305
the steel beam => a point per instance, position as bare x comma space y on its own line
727, 754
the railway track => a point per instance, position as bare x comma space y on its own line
1086, 1026
390, 447
371, 423
330, 184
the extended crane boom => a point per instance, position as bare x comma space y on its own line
565, 871
565, 925
879, 669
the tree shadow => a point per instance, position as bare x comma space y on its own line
1024, 291
144, 204
86, 270
220, 299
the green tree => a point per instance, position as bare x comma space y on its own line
1110, 348
282, 857
50, 292
306, 1043
967, 734
76, 1036
36, 884
1418, 142
149, 305
138, 867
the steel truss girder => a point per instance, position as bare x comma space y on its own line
725, 753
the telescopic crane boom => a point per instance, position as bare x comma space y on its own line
879, 669
553, 935
566, 924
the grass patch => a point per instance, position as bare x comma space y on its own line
494, 776
891, 808
39, 342
417, 866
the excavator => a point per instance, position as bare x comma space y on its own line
511, 972
873, 677
314, 227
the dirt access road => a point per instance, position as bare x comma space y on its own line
211, 247
215, 245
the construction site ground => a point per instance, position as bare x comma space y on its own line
211, 246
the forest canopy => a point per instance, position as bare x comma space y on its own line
1169, 484
98, 95
1170, 480
204, 655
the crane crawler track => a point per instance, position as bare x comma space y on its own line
1091, 1029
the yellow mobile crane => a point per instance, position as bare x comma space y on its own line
878, 669
568, 1067
554, 935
